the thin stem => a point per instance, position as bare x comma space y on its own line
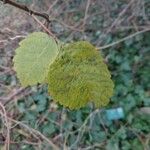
123, 39
25, 8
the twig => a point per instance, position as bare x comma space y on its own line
83, 127
4, 114
51, 6
117, 20
74, 28
139, 137
33, 14
86, 12
3, 41
25, 8
94, 146
17, 37
123, 39
49, 10
5, 100
5, 72
23, 142
31, 130
44, 27
119, 16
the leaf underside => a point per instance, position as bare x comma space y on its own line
79, 76
33, 58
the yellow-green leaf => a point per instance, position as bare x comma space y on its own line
79, 76
33, 58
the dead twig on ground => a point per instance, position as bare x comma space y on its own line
6, 123
5, 100
35, 132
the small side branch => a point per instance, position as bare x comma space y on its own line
25, 8
33, 14
124, 39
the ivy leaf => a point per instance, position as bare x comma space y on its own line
79, 76
34, 57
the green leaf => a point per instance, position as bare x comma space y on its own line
112, 144
96, 136
48, 129
79, 76
34, 57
